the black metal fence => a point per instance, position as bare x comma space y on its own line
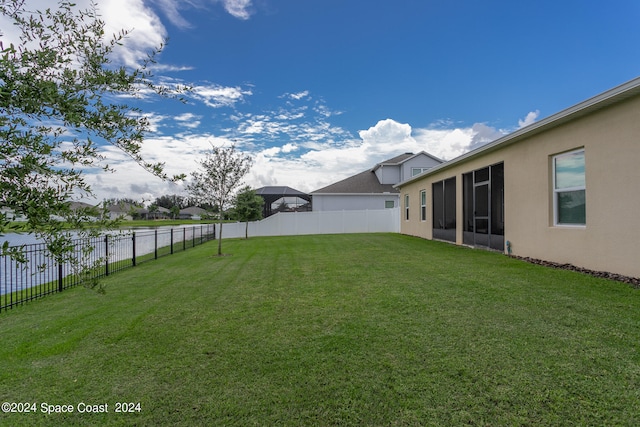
94, 258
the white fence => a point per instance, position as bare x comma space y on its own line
331, 222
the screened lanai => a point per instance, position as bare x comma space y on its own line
283, 199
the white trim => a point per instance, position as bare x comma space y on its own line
423, 205
387, 194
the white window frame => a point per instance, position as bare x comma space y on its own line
423, 205
557, 191
417, 171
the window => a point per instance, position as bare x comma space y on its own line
416, 171
569, 189
423, 205
389, 204
406, 207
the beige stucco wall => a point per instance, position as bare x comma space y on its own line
610, 241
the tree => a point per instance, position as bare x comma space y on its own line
175, 211
174, 203
248, 207
124, 201
58, 93
169, 201
220, 174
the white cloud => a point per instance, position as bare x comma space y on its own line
155, 121
270, 152
298, 96
179, 153
305, 167
146, 31
289, 148
188, 120
171, 9
214, 95
483, 134
531, 117
240, 9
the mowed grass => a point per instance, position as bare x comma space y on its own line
369, 329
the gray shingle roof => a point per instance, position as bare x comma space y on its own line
397, 160
193, 210
363, 183
281, 191
367, 182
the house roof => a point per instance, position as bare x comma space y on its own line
280, 191
598, 102
402, 158
193, 210
367, 182
363, 183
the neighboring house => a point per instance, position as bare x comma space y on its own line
564, 189
11, 216
192, 212
126, 211
159, 212
119, 211
373, 188
76, 206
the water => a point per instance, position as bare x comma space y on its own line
42, 268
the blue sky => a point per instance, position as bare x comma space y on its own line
318, 90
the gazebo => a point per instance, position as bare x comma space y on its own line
284, 198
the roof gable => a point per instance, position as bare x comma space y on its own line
403, 158
363, 183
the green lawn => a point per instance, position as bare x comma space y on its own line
372, 329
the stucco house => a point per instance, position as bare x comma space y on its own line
373, 188
564, 189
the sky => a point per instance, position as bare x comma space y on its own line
319, 90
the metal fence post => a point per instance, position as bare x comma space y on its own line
155, 244
133, 238
184, 238
172, 241
106, 255
60, 287
193, 237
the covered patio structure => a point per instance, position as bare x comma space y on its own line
281, 198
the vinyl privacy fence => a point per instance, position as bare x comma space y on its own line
329, 222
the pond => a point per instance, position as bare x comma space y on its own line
109, 248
